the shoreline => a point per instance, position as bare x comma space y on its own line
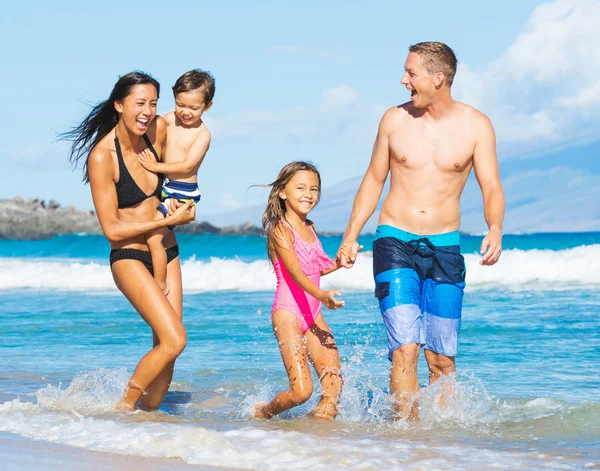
36, 219
19, 453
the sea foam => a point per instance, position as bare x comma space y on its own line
517, 269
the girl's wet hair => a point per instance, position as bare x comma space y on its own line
275, 210
102, 119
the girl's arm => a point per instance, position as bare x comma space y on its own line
338, 261
337, 265
282, 243
104, 195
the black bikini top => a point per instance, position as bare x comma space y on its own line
128, 192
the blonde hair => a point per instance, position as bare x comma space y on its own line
437, 57
275, 210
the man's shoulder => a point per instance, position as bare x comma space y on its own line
396, 113
399, 110
471, 113
477, 123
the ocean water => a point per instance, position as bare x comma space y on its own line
526, 396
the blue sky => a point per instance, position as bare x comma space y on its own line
306, 80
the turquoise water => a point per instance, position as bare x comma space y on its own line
526, 393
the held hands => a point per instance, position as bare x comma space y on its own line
181, 213
329, 300
346, 256
147, 159
491, 247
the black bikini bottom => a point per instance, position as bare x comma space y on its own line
141, 256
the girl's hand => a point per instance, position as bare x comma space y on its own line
147, 159
329, 300
344, 255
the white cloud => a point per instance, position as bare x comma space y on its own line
338, 98
586, 98
338, 112
545, 90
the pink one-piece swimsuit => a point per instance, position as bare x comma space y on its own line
289, 296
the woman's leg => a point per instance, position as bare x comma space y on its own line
293, 353
135, 282
323, 354
159, 387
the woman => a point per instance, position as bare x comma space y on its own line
125, 197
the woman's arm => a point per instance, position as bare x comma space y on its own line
104, 195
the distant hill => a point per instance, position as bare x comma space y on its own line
560, 199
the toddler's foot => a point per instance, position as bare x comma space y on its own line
164, 286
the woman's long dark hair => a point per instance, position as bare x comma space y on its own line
102, 119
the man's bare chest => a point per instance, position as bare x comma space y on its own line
445, 151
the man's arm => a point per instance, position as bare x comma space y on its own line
369, 192
485, 165
189, 165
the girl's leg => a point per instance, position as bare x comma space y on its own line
293, 353
159, 387
138, 286
323, 354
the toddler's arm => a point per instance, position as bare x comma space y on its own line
188, 166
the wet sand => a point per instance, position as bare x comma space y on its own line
21, 454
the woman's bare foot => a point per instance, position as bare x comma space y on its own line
131, 395
124, 406
261, 410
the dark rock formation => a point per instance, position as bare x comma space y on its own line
37, 219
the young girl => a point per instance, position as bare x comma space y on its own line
299, 262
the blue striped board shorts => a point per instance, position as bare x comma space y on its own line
183, 191
419, 282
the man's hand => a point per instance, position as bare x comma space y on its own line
346, 255
491, 247
329, 300
147, 159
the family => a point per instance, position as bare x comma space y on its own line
142, 170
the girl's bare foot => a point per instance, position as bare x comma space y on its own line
261, 410
326, 409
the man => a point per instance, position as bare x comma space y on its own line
428, 147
